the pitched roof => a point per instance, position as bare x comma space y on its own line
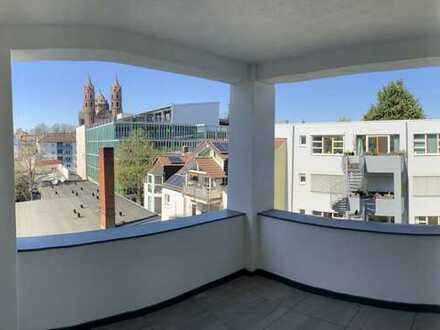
47, 162
172, 159
210, 167
65, 137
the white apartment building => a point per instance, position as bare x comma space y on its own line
379, 171
60, 146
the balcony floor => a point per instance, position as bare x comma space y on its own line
254, 302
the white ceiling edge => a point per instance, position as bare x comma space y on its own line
56, 42
414, 53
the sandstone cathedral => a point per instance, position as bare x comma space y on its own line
96, 109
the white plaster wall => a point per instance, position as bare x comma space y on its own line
8, 294
176, 206
80, 151
251, 156
68, 286
421, 165
196, 113
396, 268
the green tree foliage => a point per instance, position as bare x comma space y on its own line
134, 158
394, 102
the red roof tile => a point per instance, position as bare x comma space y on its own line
210, 167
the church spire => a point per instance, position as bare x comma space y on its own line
116, 98
87, 113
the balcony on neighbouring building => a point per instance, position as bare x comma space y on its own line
202, 192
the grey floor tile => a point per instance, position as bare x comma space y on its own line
296, 321
373, 318
426, 321
332, 310
255, 315
273, 290
255, 302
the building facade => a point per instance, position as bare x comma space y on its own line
59, 146
200, 185
166, 137
189, 113
163, 168
377, 171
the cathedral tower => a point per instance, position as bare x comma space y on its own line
87, 115
116, 98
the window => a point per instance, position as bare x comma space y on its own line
167, 199
428, 220
302, 178
302, 140
338, 215
328, 214
377, 144
317, 213
426, 144
328, 144
426, 186
380, 218
301, 211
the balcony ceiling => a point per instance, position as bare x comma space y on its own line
245, 30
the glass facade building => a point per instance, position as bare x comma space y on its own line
165, 137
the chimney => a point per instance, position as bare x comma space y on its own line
106, 188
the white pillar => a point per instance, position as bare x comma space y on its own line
8, 252
251, 157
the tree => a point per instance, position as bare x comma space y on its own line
61, 127
25, 172
134, 158
394, 102
344, 119
40, 129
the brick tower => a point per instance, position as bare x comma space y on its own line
87, 115
116, 98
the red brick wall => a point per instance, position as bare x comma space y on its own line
106, 188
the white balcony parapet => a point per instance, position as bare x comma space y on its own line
380, 262
95, 275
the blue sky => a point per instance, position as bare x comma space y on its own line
51, 92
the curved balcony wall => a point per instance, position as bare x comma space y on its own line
397, 264
66, 280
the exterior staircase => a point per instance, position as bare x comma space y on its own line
355, 176
341, 205
353, 170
